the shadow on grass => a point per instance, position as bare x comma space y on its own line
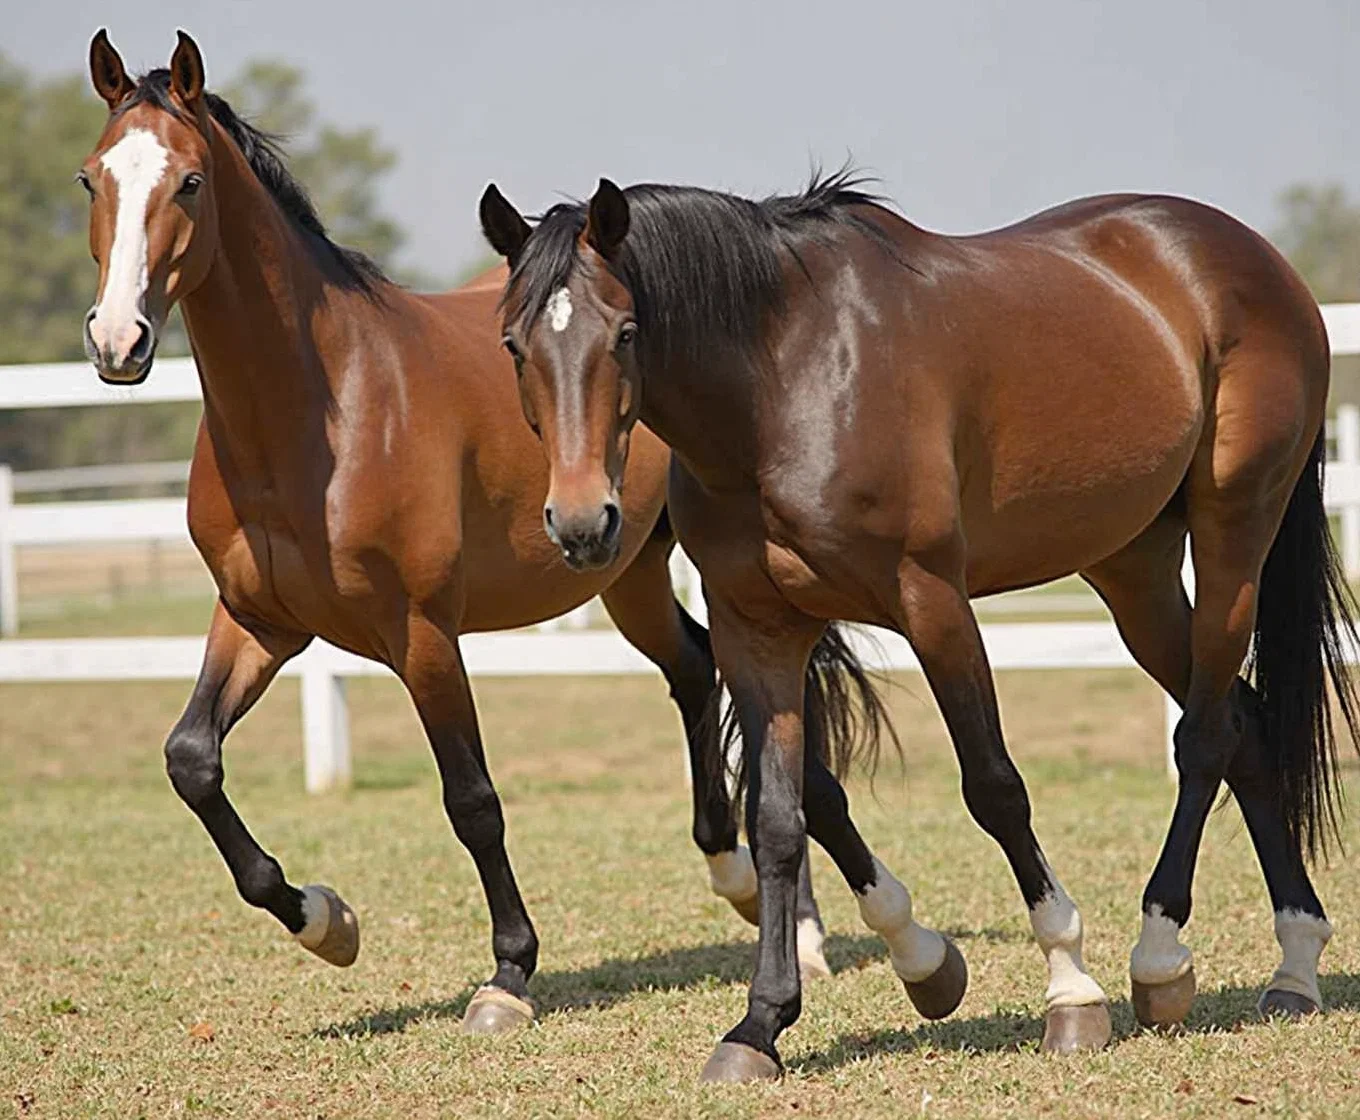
1228, 1009
610, 982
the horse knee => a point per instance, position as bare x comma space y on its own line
194, 762
779, 839
997, 799
475, 813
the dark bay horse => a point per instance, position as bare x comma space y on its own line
876, 423
361, 475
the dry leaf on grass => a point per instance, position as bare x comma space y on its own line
204, 1032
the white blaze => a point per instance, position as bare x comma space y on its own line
559, 310
136, 163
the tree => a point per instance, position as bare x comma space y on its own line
340, 168
1319, 232
47, 280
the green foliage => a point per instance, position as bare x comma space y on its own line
47, 280
1319, 232
341, 168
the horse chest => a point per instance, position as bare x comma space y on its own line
266, 569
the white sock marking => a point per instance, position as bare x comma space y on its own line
810, 940
559, 310
732, 875
916, 952
1159, 957
316, 909
136, 163
1056, 922
1302, 937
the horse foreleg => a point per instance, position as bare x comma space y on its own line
237, 668
643, 607
434, 675
764, 667
943, 631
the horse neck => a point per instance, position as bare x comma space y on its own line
254, 325
707, 413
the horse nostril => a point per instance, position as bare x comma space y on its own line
91, 350
613, 519
548, 517
141, 349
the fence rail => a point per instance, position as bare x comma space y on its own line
323, 670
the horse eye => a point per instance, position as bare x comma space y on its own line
192, 182
511, 348
628, 335
84, 180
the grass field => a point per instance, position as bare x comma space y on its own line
134, 983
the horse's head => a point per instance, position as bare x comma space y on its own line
152, 212
571, 327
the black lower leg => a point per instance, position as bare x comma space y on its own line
193, 756
694, 688
827, 810
997, 799
475, 813
779, 840
1252, 782
1205, 741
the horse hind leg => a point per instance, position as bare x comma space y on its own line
642, 605
1236, 494
1141, 585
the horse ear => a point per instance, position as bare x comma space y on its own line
107, 75
607, 220
186, 71
502, 225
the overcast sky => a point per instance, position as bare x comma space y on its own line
972, 112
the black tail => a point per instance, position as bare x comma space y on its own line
845, 721
1305, 619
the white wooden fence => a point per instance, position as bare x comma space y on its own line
323, 669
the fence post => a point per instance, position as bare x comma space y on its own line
1170, 709
9, 567
689, 586
325, 727
1348, 452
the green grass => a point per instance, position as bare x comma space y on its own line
133, 982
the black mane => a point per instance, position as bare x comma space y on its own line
697, 262
263, 154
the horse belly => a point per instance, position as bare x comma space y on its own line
1079, 503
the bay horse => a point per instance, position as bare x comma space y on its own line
876, 423
360, 475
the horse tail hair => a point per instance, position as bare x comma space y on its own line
845, 720
1305, 620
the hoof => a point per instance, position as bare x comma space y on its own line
1275, 1003
1164, 1006
942, 991
496, 1011
736, 1064
332, 930
1070, 1029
